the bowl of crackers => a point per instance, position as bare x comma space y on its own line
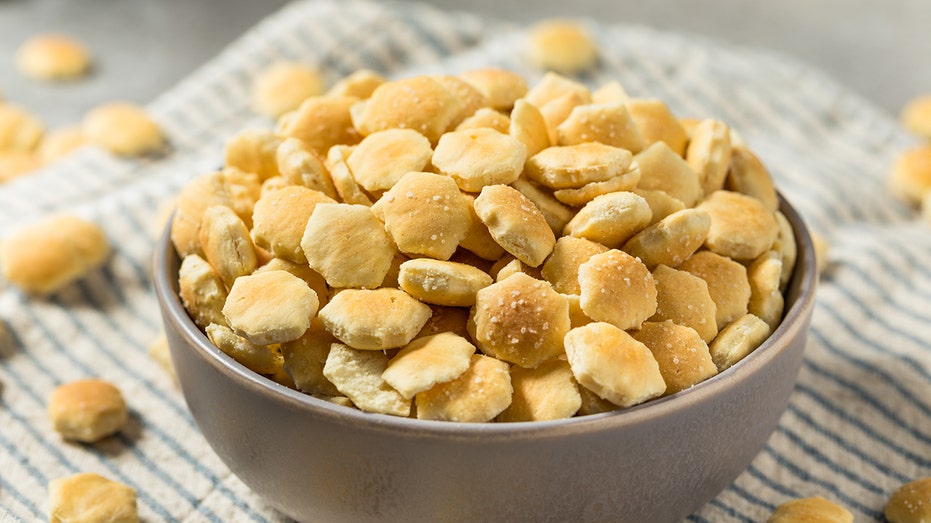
465, 298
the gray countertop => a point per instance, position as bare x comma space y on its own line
880, 49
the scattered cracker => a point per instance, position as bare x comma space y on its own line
916, 115
562, 45
53, 57
823, 247
20, 130
87, 410
91, 497
14, 164
58, 143
44, 257
159, 352
814, 510
910, 503
122, 128
910, 177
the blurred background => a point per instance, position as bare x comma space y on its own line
877, 48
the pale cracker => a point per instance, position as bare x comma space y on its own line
515, 223
357, 375
442, 282
684, 299
610, 219
521, 320
270, 307
683, 357
671, 240
477, 395
427, 361
617, 288
613, 365
374, 319
347, 245
738, 339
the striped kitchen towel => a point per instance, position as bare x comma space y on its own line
858, 424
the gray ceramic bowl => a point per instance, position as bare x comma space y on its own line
655, 462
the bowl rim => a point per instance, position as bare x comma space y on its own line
802, 286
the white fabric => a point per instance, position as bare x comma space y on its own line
857, 425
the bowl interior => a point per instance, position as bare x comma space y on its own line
799, 302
